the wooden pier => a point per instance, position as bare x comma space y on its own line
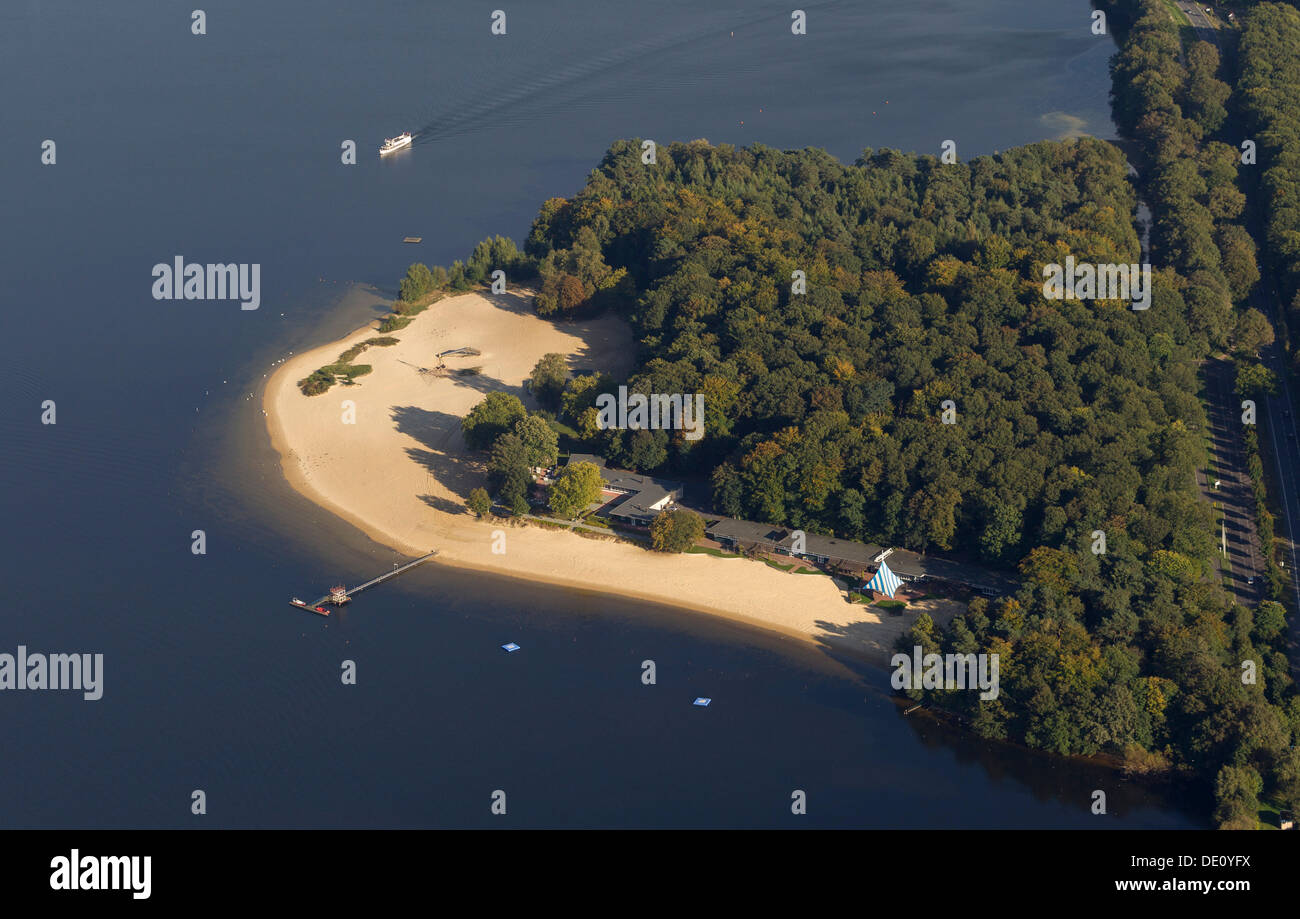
339, 596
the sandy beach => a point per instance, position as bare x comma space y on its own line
401, 472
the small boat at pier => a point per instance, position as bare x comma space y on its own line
315, 609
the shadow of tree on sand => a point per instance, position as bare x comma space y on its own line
443, 453
863, 646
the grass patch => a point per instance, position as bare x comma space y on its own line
394, 323
564, 430
777, 565
547, 524
1270, 816
709, 550
346, 370
319, 381
892, 605
1176, 13
316, 383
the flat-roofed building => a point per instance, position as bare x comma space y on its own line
822, 550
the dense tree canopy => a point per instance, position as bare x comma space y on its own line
823, 410
491, 418
1269, 92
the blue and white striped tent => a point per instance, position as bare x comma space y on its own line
885, 581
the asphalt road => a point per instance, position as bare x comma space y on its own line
1205, 28
1280, 439
1243, 575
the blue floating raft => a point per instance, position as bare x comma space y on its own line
510, 646
702, 701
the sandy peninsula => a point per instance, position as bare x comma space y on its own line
401, 472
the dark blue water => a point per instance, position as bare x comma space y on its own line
225, 148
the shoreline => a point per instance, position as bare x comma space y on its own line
406, 434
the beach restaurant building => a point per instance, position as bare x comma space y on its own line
855, 558
740, 535
636, 499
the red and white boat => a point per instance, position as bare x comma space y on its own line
315, 609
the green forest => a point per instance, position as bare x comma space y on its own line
924, 284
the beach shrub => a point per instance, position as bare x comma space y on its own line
577, 486
322, 379
316, 383
346, 370
417, 283
676, 530
479, 502
491, 418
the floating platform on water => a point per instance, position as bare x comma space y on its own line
413, 239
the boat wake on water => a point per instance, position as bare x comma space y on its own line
561, 88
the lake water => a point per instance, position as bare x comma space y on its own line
225, 148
